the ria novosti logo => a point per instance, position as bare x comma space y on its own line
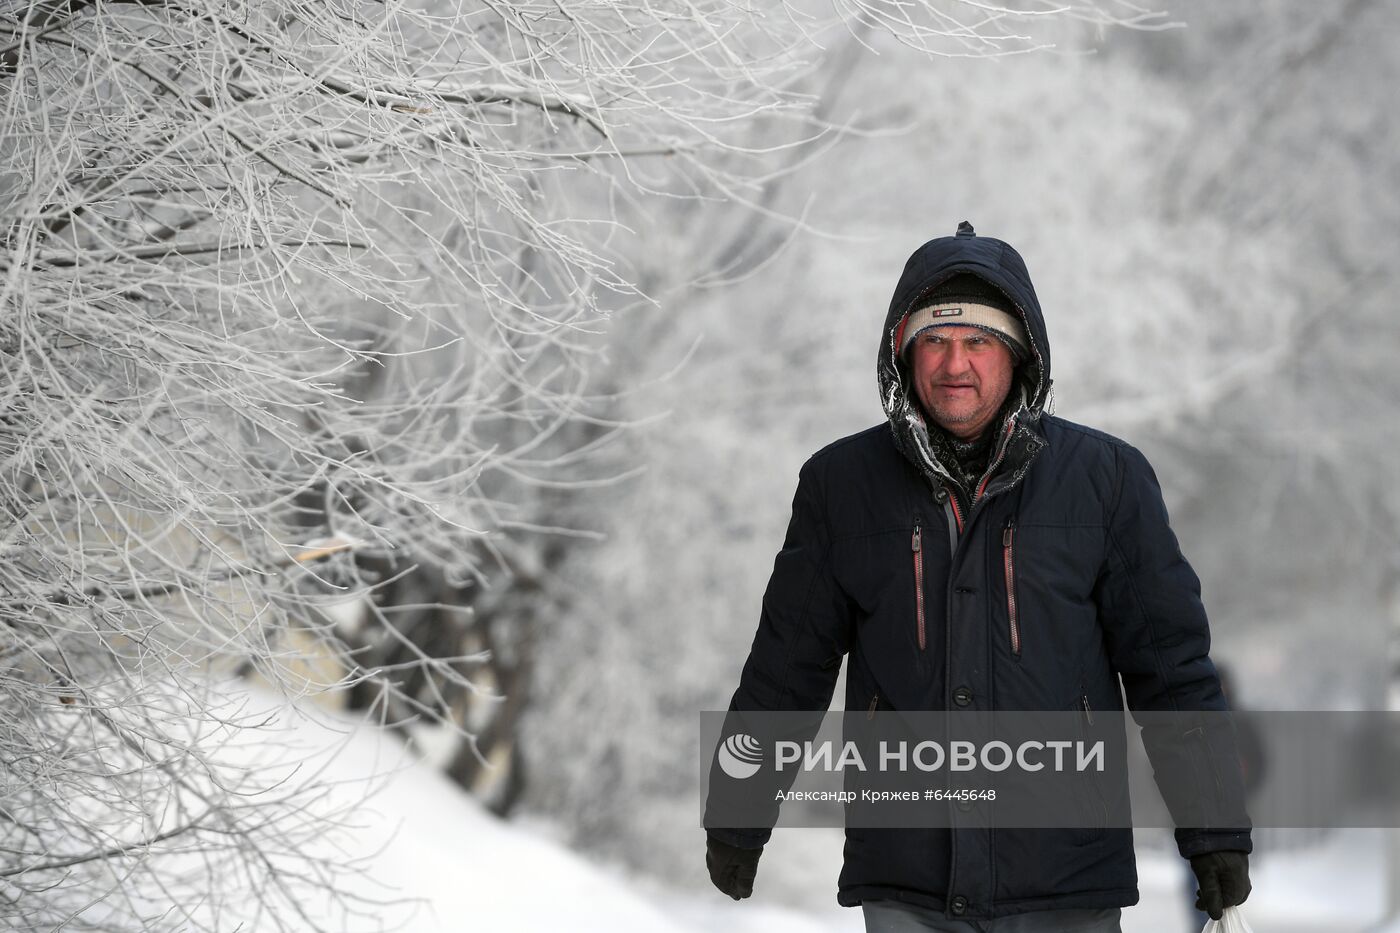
740, 756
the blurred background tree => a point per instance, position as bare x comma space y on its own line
1207, 213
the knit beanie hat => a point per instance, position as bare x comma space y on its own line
971, 300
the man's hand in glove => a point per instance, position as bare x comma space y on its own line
731, 869
1223, 879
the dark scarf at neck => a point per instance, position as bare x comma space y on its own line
970, 457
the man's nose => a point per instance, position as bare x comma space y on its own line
956, 359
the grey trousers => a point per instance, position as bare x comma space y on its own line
897, 917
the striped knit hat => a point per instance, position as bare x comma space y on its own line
970, 300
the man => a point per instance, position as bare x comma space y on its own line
976, 553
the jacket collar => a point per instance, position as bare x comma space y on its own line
1018, 440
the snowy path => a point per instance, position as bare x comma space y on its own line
474, 872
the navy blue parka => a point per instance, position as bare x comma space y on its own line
1053, 581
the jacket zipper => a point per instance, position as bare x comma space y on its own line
1008, 565
1001, 455
917, 546
874, 702
1008, 562
1088, 713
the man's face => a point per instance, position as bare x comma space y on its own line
961, 376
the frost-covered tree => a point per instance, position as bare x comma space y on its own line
299, 299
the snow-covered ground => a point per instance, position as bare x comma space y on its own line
469, 870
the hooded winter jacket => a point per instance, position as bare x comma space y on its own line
1053, 580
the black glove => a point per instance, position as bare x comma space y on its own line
1223, 878
731, 869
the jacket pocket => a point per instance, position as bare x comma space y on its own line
1008, 563
1097, 802
916, 545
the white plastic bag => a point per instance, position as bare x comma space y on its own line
1231, 921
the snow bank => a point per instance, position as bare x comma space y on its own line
469, 870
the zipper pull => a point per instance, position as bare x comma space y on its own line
917, 543
1007, 532
1088, 713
